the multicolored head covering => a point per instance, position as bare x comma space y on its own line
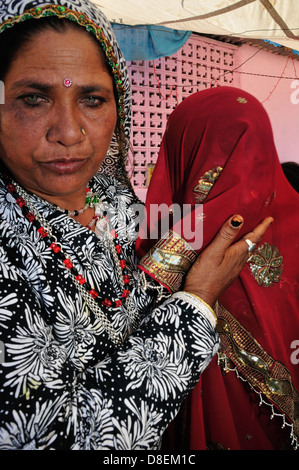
87, 15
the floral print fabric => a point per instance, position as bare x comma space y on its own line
63, 383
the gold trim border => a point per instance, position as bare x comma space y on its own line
168, 261
262, 372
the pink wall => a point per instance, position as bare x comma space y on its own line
158, 86
260, 75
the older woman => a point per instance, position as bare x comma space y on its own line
92, 358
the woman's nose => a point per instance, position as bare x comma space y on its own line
65, 127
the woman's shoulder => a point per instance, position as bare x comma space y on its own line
114, 190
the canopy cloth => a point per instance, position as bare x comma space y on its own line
148, 42
274, 20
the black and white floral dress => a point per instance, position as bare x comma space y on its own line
63, 382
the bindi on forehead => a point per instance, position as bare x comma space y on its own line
67, 82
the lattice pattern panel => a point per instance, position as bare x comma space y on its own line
158, 86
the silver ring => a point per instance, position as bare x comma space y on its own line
251, 245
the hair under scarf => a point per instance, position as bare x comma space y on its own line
218, 150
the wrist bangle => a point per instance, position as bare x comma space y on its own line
207, 305
198, 303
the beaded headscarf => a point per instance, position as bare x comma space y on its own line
87, 15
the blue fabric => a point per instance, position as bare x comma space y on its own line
148, 42
279, 45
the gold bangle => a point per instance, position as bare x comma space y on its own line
205, 303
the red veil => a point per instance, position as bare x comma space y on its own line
218, 150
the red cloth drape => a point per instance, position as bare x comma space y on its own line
228, 129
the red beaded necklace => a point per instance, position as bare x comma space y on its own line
45, 232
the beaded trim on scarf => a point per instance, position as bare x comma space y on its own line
267, 377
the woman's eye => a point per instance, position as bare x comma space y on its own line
93, 101
32, 99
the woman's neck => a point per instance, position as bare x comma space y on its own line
66, 202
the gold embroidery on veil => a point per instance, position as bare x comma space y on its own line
205, 184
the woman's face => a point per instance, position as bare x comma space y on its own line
41, 139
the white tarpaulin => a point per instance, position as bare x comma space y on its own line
274, 20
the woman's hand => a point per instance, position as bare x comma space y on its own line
221, 262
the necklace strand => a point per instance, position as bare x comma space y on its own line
89, 294
90, 201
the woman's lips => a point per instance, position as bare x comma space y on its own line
64, 166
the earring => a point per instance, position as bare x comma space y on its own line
83, 131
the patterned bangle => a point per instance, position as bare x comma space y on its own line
199, 304
168, 261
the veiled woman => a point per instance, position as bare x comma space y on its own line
218, 151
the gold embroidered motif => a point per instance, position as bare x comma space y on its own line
265, 374
205, 184
169, 260
266, 265
242, 100
149, 173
